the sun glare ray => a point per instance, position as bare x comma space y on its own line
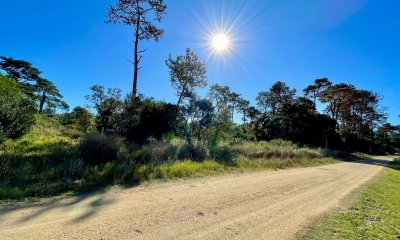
224, 34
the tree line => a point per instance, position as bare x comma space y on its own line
352, 118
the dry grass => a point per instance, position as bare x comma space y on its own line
275, 150
46, 162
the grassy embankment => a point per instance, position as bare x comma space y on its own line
375, 214
45, 162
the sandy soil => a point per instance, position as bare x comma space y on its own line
262, 205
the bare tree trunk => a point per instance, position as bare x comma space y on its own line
136, 61
180, 99
42, 101
181, 95
315, 104
233, 111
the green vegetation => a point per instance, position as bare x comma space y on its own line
16, 115
34, 87
40, 162
49, 160
135, 138
373, 215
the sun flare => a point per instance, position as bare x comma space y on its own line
220, 42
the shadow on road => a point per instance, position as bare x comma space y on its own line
379, 161
91, 203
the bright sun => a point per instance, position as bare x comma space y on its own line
220, 42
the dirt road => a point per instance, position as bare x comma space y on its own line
262, 205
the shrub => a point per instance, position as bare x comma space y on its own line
3, 138
16, 113
222, 154
82, 118
143, 119
196, 152
96, 149
337, 154
105, 174
72, 169
243, 133
156, 152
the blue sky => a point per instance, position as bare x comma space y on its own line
295, 41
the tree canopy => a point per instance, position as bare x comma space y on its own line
273, 100
32, 84
187, 72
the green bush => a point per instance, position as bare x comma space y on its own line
142, 119
156, 152
337, 154
97, 149
72, 169
196, 152
3, 138
222, 154
16, 113
23, 175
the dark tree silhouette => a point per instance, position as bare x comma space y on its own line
313, 91
225, 98
220, 95
199, 114
337, 97
38, 89
142, 119
21, 71
357, 113
262, 101
273, 100
47, 93
243, 106
139, 14
297, 121
234, 99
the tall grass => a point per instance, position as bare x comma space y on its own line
40, 163
180, 169
47, 132
280, 163
276, 149
47, 161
